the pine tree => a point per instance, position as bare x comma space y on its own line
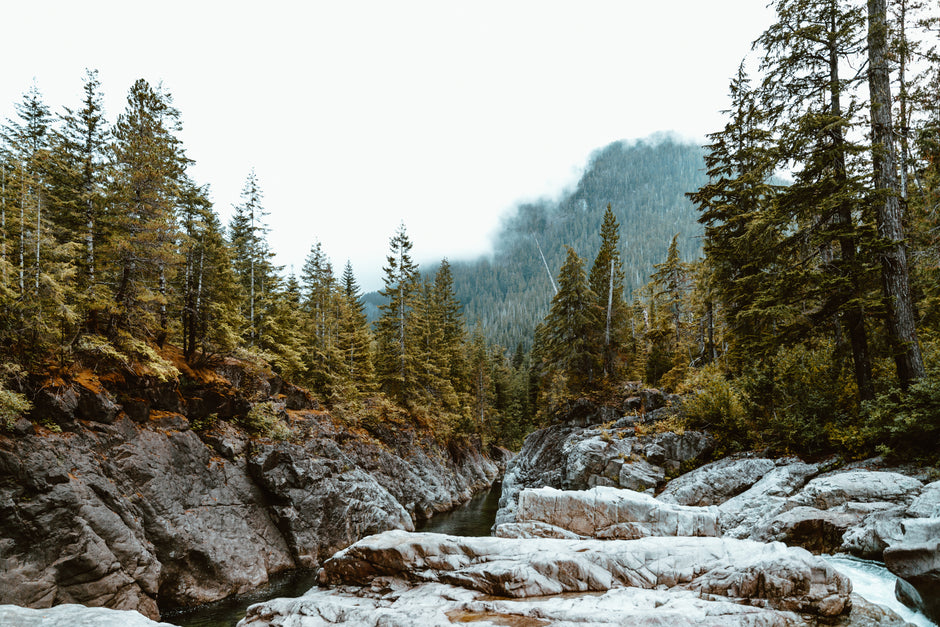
149, 164
248, 235
804, 56
355, 338
568, 330
395, 354
606, 280
895, 277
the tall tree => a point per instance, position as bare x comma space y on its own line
606, 281
894, 269
149, 163
248, 234
568, 348
805, 53
395, 354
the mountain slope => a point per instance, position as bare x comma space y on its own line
645, 182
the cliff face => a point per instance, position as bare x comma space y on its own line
118, 502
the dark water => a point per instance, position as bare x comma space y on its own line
227, 612
473, 518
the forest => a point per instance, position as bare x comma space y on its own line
798, 314
809, 325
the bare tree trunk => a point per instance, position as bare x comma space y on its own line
22, 232
38, 233
3, 225
550, 277
894, 271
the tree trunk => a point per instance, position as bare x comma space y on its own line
894, 270
854, 313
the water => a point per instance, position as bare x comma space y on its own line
874, 582
473, 518
228, 611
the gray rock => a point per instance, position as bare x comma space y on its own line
395, 603
73, 616
769, 575
859, 486
717, 482
611, 513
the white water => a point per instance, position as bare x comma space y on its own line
875, 583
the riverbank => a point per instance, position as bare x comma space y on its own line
140, 493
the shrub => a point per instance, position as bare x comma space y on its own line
714, 403
262, 420
12, 406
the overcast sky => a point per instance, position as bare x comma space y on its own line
357, 116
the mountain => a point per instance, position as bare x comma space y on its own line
644, 181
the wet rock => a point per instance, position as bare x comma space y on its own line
916, 561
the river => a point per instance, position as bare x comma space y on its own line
870, 580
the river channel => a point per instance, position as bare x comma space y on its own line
870, 580
473, 518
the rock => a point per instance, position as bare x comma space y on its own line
717, 482
858, 486
73, 616
122, 509
398, 603
916, 561
610, 513
582, 452
769, 575
322, 504
927, 505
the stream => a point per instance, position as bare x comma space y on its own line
870, 580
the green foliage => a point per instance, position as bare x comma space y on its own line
13, 405
262, 420
714, 403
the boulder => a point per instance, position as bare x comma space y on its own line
396, 603
717, 482
608, 513
916, 561
770, 575
73, 616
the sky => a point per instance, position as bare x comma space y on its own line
359, 116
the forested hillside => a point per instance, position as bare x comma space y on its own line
644, 182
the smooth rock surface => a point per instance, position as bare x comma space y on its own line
769, 575
605, 513
73, 616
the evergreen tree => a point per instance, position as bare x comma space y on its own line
248, 235
355, 338
890, 218
149, 165
606, 281
568, 329
395, 354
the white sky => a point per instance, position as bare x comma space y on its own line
358, 115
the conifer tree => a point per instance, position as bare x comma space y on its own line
606, 280
895, 276
355, 338
248, 235
568, 330
395, 354
148, 167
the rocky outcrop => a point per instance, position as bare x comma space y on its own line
602, 446
120, 509
692, 581
73, 616
864, 510
604, 513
